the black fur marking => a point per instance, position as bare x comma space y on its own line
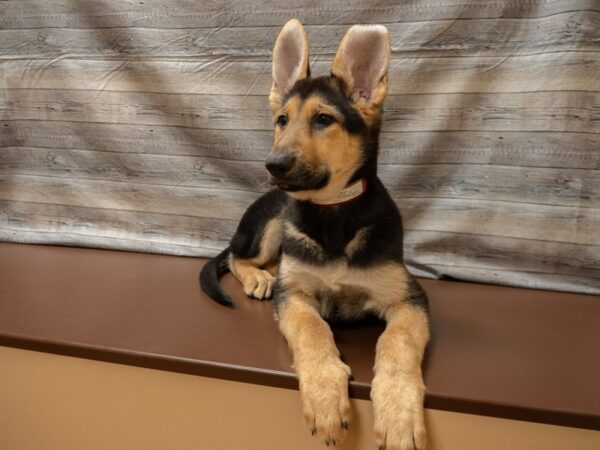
331, 90
346, 304
298, 249
332, 228
209, 278
248, 236
245, 242
417, 296
304, 181
279, 293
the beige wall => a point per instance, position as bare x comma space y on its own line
50, 402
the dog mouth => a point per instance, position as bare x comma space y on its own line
300, 183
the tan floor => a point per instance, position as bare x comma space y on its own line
50, 402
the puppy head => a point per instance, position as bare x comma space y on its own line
326, 128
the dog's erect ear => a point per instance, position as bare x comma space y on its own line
290, 60
361, 62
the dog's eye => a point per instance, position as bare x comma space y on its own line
325, 120
282, 120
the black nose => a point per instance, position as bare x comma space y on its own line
279, 165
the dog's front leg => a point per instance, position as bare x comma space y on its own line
322, 375
398, 390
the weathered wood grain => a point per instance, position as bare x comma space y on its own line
247, 145
203, 172
497, 218
190, 13
565, 70
506, 219
508, 37
550, 186
144, 126
533, 111
507, 148
492, 252
83, 225
180, 200
508, 277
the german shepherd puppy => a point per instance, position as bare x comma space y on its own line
326, 243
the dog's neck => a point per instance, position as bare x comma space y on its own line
310, 212
346, 195
360, 181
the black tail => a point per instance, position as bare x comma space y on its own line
209, 278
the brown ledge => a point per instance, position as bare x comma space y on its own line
496, 351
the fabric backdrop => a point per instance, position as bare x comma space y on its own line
143, 125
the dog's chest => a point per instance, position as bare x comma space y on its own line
330, 278
342, 290
323, 247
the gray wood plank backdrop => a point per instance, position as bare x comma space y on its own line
142, 125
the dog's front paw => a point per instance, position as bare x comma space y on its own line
258, 284
398, 413
324, 392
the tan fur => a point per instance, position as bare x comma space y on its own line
311, 289
286, 139
385, 284
357, 243
293, 232
258, 282
270, 243
292, 35
271, 267
343, 66
315, 148
398, 390
323, 377
371, 112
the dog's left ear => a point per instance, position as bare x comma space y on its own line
290, 60
361, 62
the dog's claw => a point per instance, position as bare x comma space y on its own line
344, 425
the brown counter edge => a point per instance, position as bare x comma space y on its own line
288, 381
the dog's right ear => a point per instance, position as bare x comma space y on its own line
290, 61
361, 62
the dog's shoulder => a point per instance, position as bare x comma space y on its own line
262, 218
